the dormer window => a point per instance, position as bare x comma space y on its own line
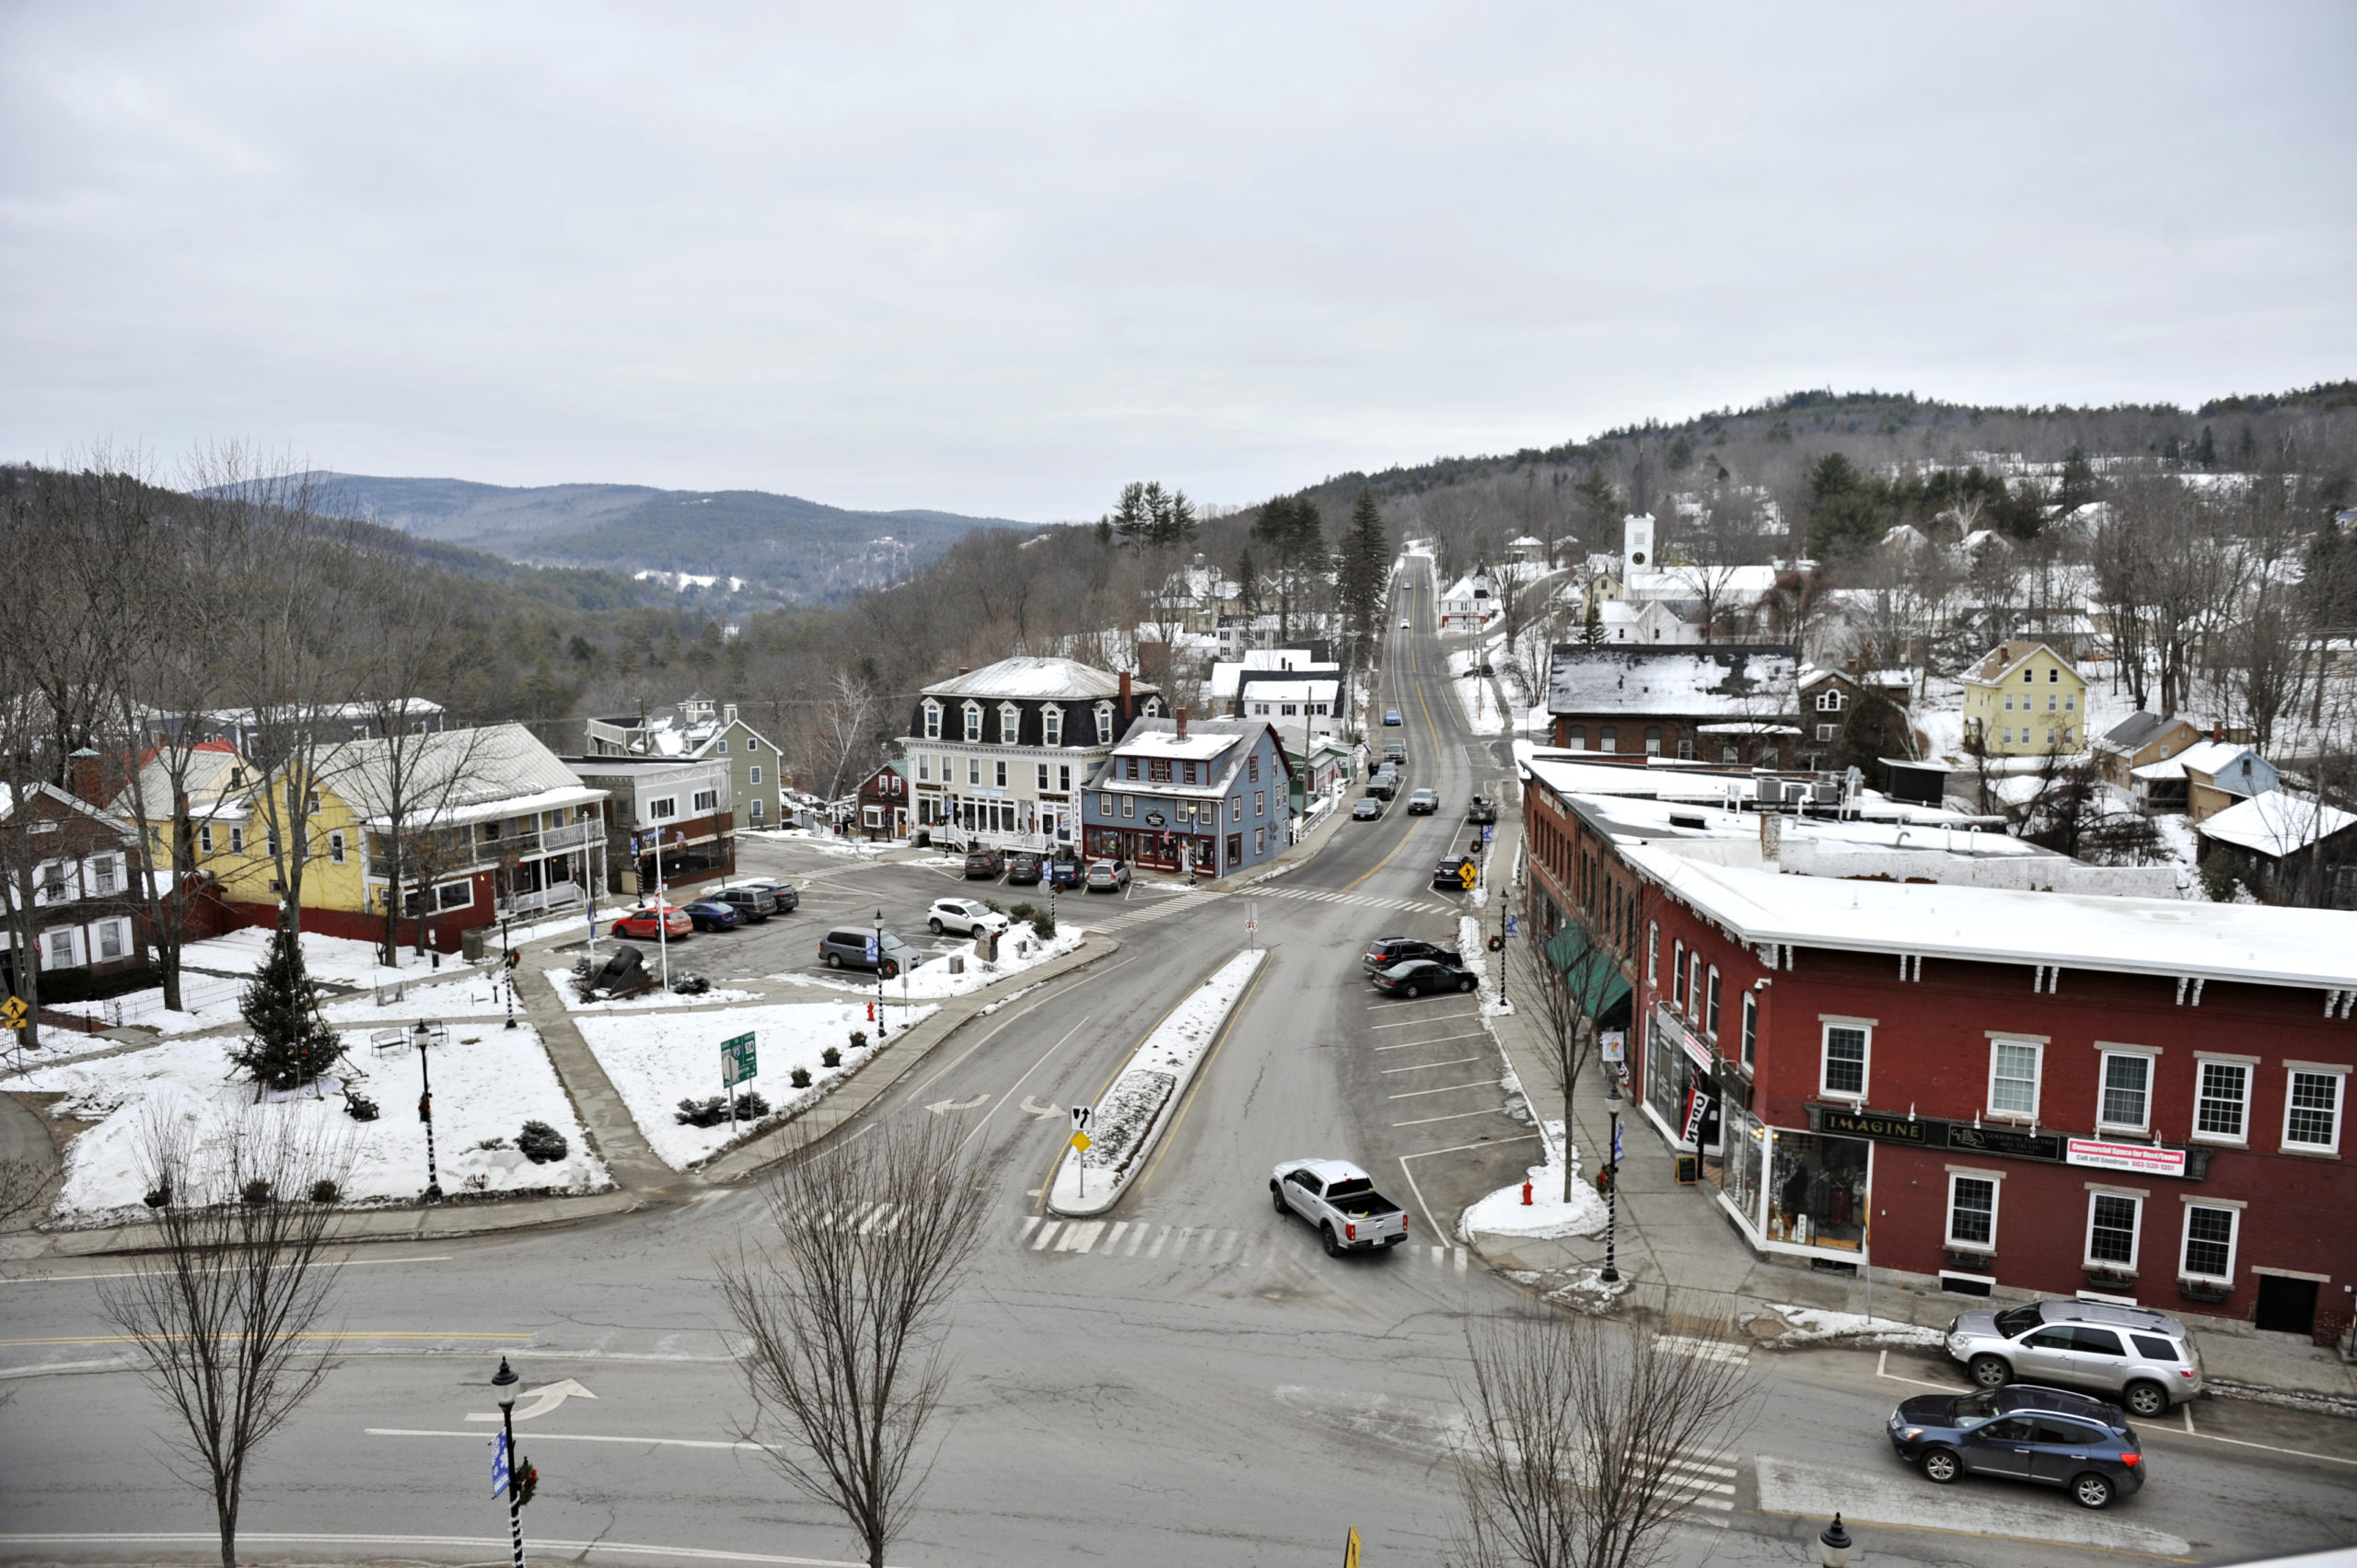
974, 722
1104, 724
1010, 724
1153, 708
932, 720
1052, 726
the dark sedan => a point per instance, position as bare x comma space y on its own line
983, 863
2019, 1433
1025, 869
711, 915
1384, 952
1366, 810
1422, 977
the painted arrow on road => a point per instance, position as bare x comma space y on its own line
541, 1401
1034, 1108
943, 1106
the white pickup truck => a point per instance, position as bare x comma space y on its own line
1339, 1199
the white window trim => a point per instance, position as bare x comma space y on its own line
1825, 1058
1996, 1182
2340, 1075
1749, 1039
1653, 955
972, 731
932, 720
1676, 974
1010, 724
1051, 724
2105, 1051
2036, 1082
2185, 1237
2249, 1065
335, 848
1711, 1003
1104, 724
2135, 1235
121, 929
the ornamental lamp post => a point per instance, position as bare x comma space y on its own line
880, 961
425, 1034
508, 965
1612, 1163
506, 1381
1834, 1545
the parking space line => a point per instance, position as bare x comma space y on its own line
1460, 1116
1451, 1088
1443, 1040
1412, 1023
1428, 1067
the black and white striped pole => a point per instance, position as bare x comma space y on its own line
506, 1381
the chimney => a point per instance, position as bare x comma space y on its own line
1125, 694
1182, 721
963, 670
1771, 838
82, 775
2217, 732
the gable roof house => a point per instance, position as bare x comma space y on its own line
2287, 849
699, 725
1722, 702
1217, 797
71, 880
2139, 739
2025, 699
999, 755
2205, 779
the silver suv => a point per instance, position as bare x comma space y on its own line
2144, 1357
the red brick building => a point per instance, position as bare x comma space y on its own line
1983, 1090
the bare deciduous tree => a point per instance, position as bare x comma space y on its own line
225, 1315
1563, 977
1582, 1430
842, 1325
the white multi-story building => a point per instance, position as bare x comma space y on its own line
999, 755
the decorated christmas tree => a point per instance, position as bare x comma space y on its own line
291, 1044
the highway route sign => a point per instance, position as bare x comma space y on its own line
738, 1063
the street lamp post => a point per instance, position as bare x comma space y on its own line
879, 979
506, 1382
1833, 1545
1611, 1273
508, 965
425, 1109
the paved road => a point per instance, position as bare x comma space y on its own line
1188, 1381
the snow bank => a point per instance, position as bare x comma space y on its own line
560, 982
1017, 951
1548, 1215
657, 1059
487, 1082
1473, 944
1808, 1325
1130, 1119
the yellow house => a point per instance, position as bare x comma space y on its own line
492, 824
2025, 699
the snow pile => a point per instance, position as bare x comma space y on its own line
657, 1059
1018, 950
487, 1082
1473, 944
1808, 1325
1547, 1216
1127, 1123
560, 982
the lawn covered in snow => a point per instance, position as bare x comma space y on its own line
214, 974
656, 1060
487, 1082
1548, 1215
560, 982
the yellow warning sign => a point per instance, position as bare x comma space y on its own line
1081, 1141
1351, 1552
1468, 874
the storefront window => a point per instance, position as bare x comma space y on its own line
1817, 1190
1741, 1171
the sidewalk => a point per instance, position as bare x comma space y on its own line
1674, 1240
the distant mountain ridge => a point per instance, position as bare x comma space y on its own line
782, 546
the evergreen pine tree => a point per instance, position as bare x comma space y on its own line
2207, 453
291, 1044
1592, 628
1364, 566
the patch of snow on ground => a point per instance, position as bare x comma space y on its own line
657, 1059
214, 973
487, 1082
560, 982
1548, 1215
1808, 1325
1472, 944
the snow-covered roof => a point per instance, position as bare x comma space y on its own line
1038, 678
2252, 942
2005, 657
454, 775
2277, 824
1735, 679
1222, 743
1314, 689
2203, 757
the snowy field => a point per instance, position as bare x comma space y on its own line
487, 1082
214, 974
560, 982
932, 980
658, 1059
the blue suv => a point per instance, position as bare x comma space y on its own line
2020, 1433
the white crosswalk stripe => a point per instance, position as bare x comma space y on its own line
1705, 1350
1704, 1481
1206, 1245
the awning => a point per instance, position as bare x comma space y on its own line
1594, 972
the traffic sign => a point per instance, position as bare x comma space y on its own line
1468, 874
738, 1063
1081, 1117
1080, 1141
13, 1012
1350, 1551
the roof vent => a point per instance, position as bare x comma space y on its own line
1688, 819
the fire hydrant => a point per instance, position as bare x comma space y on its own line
1525, 1194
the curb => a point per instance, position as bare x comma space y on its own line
1085, 1208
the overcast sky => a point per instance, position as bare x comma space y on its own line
1000, 258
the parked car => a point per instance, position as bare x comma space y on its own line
754, 903
1024, 870
1367, 810
788, 896
711, 915
642, 922
1390, 715
1339, 1199
1385, 951
1395, 754
983, 863
1067, 873
1403, 623
1109, 875
2022, 1434
846, 948
964, 916
2141, 1355
1383, 783
1422, 802
1481, 809
1422, 977
1449, 875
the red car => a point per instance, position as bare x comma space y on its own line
641, 922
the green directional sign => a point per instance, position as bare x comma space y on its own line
738, 1065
